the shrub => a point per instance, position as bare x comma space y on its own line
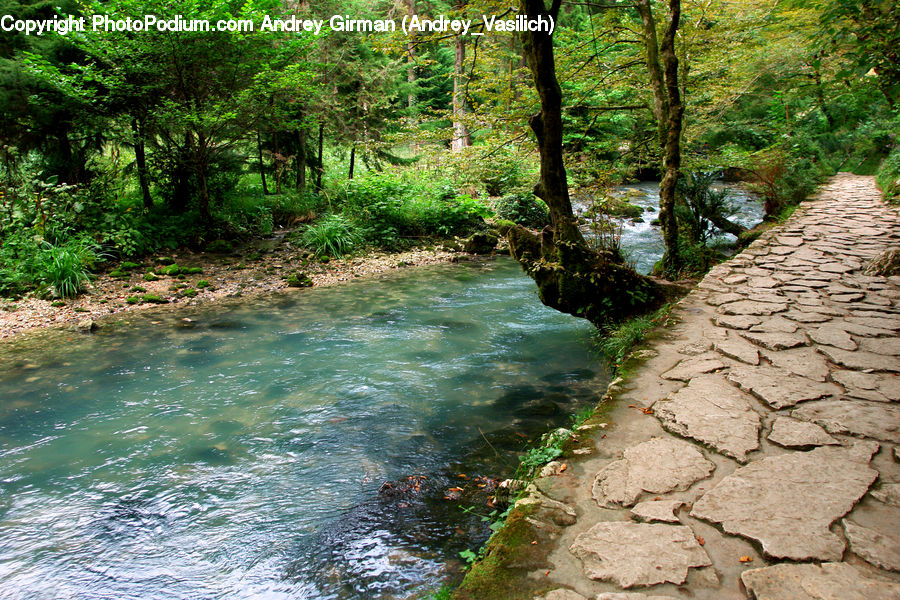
332, 235
524, 209
391, 209
66, 269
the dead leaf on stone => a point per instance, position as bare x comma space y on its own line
700, 540
746, 559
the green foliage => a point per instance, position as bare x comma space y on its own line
444, 593
616, 343
699, 200
203, 283
66, 268
522, 208
888, 177
333, 235
391, 209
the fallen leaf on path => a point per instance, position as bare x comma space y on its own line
746, 559
700, 540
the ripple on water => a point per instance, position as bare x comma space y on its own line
243, 457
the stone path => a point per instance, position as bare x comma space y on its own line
764, 461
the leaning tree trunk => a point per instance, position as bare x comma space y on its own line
570, 276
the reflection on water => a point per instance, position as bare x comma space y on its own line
241, 455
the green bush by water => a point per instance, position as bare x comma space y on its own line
391, 209
522, 208
333, 235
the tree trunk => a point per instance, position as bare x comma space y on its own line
278, 163
460, 131
320, 167
352, 160
262, 168
669, 110
140, 159
202, 166
411, 61
301, 161
570, 276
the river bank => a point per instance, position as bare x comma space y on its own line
260, 268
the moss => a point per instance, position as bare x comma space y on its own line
150, 277
132, 300
129, 266
137, 288
171, 270
119, 274
165, 260
510, 555
189, 292
192, 270
57, 303
80, 309
298, 279
153, 299
203, 284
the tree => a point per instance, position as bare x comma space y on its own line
570, 276
669, 111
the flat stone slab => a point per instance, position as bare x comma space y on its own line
830, 581
720, 299
876, 420
779, 388
885, 345
738, 321
803, 361
774, 340
749, 307
775, 324
788, 502
876, 547
736, 347
869, 386
792, 433
861, 360
713, 412
831, 335
656, 466
641, 554
689, 368
657, 510
806, 316
875, 322
889, 493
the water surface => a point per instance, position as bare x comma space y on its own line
299, 446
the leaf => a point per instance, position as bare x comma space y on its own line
746, 559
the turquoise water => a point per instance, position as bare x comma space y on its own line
245, 454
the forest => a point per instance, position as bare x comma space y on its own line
121, 143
